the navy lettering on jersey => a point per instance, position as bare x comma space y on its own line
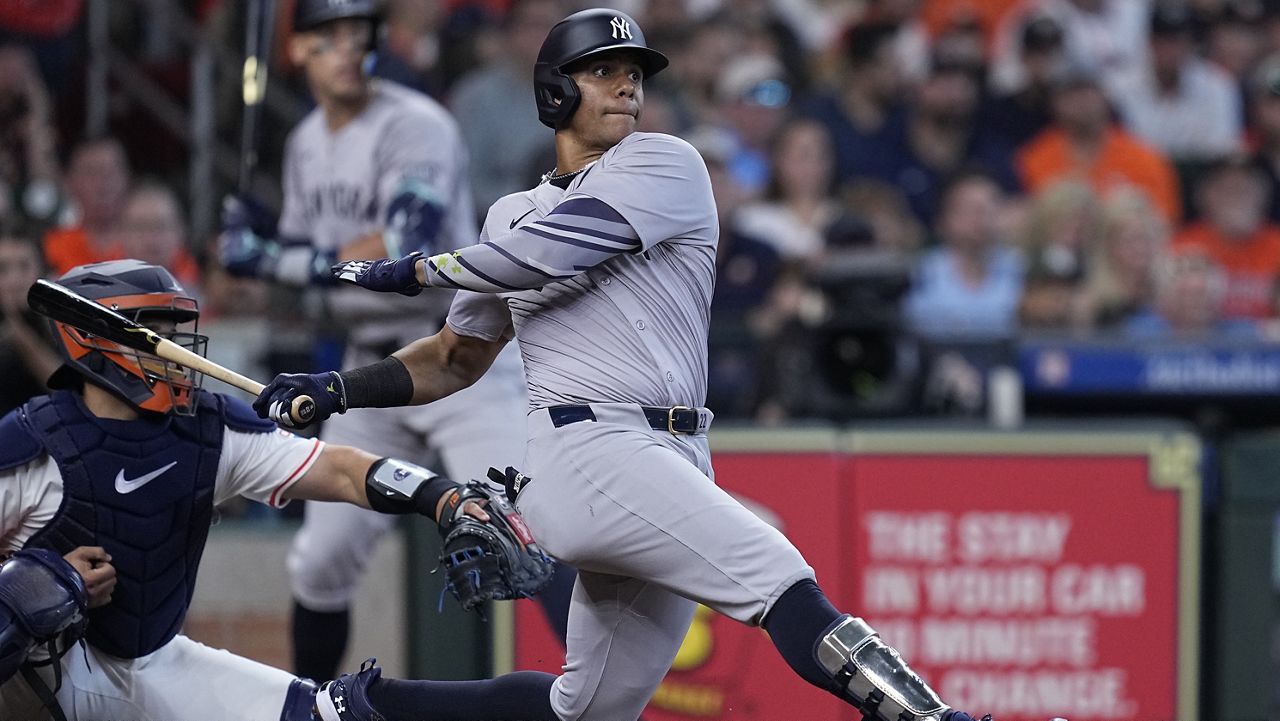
340, 199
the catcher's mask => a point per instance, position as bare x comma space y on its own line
147, 294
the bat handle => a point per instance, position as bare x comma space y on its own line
303, 409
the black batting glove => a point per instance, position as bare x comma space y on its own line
275, 402
384, 276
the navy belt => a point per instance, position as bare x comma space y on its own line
676, 419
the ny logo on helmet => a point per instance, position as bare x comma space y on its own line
621, 28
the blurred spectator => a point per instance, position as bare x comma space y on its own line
494, 106
47, 28
1051, 297
747, 272
697, 60
764, 31
1191, 290
1234, 43
1265, 112
152, 229
912, 42
1108, 37
97, 180
799, 203
1020, 110
27, 356
1133, 238
410, 45
961, 45
1236, 233
968, 287
987, 15
1061, 225
868, 98
753, 96
818, 25
1180, 103
942, 134
660, 114
28, 145
1083, 143
885, 210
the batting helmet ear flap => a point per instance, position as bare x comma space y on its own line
578, 36
558, 96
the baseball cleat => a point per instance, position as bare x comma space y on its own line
346, 699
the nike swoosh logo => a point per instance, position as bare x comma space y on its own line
517, 220
126, 486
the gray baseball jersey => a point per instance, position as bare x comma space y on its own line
338, 186
606, 285
632, 328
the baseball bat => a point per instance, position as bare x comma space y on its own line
61, 304
257, 56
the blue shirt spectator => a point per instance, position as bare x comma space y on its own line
968, 288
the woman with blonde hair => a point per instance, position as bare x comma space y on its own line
1056, 236
1134, 236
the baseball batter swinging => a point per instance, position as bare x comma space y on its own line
603, 273
375, 169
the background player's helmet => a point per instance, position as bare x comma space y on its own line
578, 36
310, 14
145, 293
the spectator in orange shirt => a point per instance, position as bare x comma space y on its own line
1232, 197
1084, 143
97, 180
152, 229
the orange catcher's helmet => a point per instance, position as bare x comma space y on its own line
147, 294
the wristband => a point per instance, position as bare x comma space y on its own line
385, 384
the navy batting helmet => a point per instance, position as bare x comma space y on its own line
144, 293
578, 36
308, 14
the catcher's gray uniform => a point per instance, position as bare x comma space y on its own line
338, 186
635, 509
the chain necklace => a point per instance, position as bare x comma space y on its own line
551, 177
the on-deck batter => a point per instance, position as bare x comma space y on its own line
375, 169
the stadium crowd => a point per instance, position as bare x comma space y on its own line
890, 174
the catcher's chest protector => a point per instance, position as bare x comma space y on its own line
144, 492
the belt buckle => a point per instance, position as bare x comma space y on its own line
671, 419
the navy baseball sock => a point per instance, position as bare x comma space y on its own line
522, 695
798, 619
319, 641
555, 599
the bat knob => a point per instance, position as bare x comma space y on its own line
303, 409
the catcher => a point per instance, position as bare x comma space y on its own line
107, 490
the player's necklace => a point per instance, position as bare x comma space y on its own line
563, 179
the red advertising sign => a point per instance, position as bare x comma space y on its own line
1032, 584
1026, 576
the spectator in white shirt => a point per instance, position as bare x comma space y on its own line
1184, 105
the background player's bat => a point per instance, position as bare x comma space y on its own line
260, 15
54, 301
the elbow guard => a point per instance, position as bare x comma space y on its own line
398, 487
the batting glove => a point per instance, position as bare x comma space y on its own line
244, 212
326, 390
384, 276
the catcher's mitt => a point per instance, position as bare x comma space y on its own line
490, 560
